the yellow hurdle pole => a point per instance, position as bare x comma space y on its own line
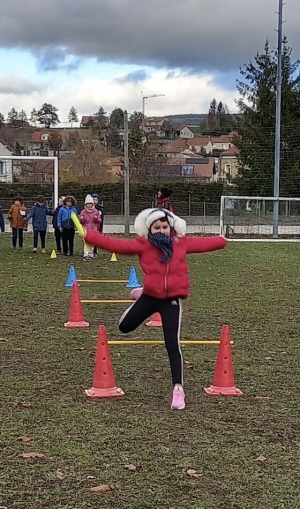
102, 280
146, 342
107, 301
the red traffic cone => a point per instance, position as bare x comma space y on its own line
223, 381
104, 385
76, 314
155, 321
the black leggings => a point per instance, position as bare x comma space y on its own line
170, 311
17, 233
58, 237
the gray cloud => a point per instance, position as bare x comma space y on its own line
16, 85
196, 35
134, 77
53, 58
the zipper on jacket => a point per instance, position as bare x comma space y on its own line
166, 278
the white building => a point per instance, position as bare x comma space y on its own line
6, 172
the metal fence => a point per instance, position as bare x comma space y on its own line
190, 207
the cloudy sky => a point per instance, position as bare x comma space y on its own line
89, 53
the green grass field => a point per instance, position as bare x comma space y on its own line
247, 449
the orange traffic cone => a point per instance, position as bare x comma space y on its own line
104, 385
155, 321
76, 314
223, 381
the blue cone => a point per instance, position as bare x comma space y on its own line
72, 276
133, 281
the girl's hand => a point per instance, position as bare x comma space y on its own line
60, 230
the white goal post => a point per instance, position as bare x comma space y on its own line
39, 158
250, 218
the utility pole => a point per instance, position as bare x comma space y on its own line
278, 124
126, 177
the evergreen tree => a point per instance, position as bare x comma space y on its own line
48, 116
117, 118
22, 118
99, 121
13, 118
2, 119
34, 118
135, 120
255, 126
72, 116
113, 140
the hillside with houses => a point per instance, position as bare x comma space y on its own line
95, 151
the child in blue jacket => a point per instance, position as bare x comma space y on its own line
66, 225
38, 213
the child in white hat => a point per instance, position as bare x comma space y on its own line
90, 218
161, 246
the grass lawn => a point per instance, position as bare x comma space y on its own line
45, 369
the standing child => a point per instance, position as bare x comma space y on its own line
90, 218
66, 225
163, 199
38, 213
161, 246
2, 222
16, 214
57, 232
96, 198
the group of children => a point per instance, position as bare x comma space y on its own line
91, 217
161, 245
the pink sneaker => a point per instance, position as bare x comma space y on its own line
178, 399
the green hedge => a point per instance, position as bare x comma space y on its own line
188, 198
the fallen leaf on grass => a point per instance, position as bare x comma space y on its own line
34, 455
194, 474
79, 348
93, 348
130, 467
104, 488
209, 360
25, 438
91, 477
260, 458
189, 365
3, 340
21, 350
262, 397
59, 474
23, 404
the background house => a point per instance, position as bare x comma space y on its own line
228, 164
6, 166
185, 133
47, 143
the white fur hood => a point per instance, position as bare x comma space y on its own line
140, 223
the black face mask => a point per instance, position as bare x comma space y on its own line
164, 243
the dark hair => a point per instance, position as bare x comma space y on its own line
71, 198
18, 198
40, 198
165, 192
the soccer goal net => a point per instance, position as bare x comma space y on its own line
251, 218
9, 164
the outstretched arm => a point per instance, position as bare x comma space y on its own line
204, 244
118, 246
29, 216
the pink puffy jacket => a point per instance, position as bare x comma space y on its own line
90, 219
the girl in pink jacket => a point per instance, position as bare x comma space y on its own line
90, 218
